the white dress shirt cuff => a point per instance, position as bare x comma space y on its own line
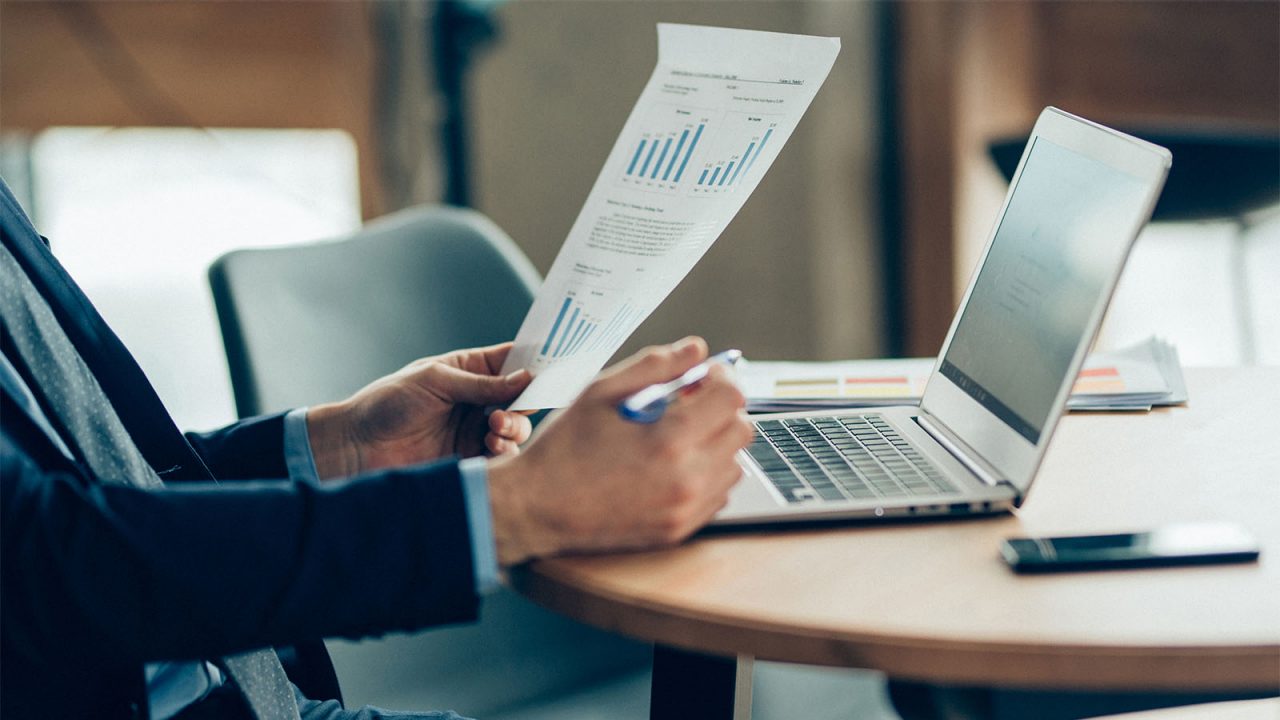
297, 448
484, 553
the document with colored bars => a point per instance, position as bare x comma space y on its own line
1136, 377
718, 108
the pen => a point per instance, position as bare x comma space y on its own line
648, 405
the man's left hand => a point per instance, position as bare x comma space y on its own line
430, 409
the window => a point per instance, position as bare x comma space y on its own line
138, 214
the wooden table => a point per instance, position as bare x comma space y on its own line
934, 602
1239, 710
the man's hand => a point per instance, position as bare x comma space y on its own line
591, 481
431, 408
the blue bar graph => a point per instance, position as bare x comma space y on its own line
662, 155
759, 150
745, 157
679, 146
726, 172
615, 327
581, 339
573, 339
583, 329
556, 326
648, 158
565, 336
636, 158
689, 153
665, 147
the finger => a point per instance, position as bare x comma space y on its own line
705, 408
460, 386
722, 471
650, 366
500, 446
711, 495
510, 425
482, 360
728, 439
719, 383
723, 481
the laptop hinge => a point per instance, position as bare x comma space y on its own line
957, 448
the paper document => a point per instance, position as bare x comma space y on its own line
717, 110
781, 386
1132, 378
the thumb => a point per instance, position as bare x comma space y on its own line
461, 386
649, 366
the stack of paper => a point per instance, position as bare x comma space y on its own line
1133, 378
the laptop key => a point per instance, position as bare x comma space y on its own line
833, 459
830, 493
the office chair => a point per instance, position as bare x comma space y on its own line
312, 323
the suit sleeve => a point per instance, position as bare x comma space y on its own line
198, 570
250, 449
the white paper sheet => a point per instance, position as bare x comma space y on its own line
847, 383
717, 110
1131, 378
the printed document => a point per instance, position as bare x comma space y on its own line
717, 110
1126, 379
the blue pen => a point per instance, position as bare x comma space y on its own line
648, 405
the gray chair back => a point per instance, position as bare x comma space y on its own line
306, 324
311, 323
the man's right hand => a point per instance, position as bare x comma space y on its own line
591, 481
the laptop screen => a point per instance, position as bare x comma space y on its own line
1064, 232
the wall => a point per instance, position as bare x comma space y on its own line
795, 275
187, 63
973, 72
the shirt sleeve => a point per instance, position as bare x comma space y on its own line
297, 448
475, 489
475, 492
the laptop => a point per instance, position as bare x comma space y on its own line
1080, 196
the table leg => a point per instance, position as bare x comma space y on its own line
699, 687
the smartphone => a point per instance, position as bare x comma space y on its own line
1192, 544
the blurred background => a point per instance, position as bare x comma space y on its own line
148, 138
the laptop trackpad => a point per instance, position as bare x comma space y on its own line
749, 496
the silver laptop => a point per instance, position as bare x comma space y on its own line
1081, 194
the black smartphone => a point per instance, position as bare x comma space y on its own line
1189, 544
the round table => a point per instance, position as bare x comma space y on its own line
932, 601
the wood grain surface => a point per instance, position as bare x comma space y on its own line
933, 601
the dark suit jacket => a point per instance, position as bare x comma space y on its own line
100, 578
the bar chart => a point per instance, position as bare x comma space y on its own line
729, 165
662, 154
572, 327
618, 328
578, 328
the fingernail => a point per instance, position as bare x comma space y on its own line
517, 377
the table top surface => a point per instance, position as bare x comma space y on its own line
933, 601
1268, 709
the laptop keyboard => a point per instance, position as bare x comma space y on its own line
829, 459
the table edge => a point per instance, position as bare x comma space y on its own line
1081, 666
